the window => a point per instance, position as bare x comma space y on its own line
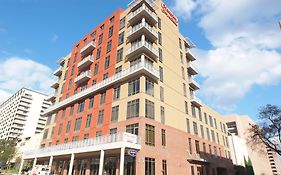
200, 114
162, 113
181, 57
204, 147
81, 107
186, 107
205, 117
65, 75
98, 53
110, 32
53, 130
160, 55
86, 136
119, 55
149, 109
72, 70
113, 131
149, 135
134, 87
215, 122
102, 27
49, 120
122, 23
208, 133
182, 73
98, 134
75, 56
77, 124
88, 121
192, 170
91, 103
100, 39
163, 136
149, 87
68, 127
74, 139
180, 43
159, 23
69, 84
161, 73
211, 121
120, 38
197, 147
184, 89
111, 20
210, 149
164, 167
193, 110
100, 117
187, 126
161, 93
96, 69
108, 47
213, 136
102, 98
133, 109
116, 93
159, 38
94, 82
118, 69
218, 138
133, 128
107, 62
195, 129
149, 166
56, 117
190, 145
202, 131
45, 135
215, 151
93, 34
114, 113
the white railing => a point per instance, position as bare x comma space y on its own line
118, 137
142, 8
88, 58
58, 71
83, 75
92, 43
190, 65
194, 98
141, 25
55, 84
191, 80
140, 66
135, 2
140, 44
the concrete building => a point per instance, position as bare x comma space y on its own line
21, 115
264, 161
126, 103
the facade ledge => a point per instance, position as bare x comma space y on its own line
88, 48
142, 47
142, 67
140, 29
85, 62
141, 12
85, 76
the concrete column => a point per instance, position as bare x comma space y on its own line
71, 164
143, 20
143, 39
50, 164
21, 166
34, 162
101, 162
142, 58
122, 157
88, 166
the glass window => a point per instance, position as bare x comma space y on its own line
91, 103
107, 62
77, 125
187, 126
100, 117
108, 47
119, 55
118, 69
114, 113
100, 39
120, 38
98, 53
161, 93
205, 117
162, 112
116, 93
96, 69
149, 166
133, 128
193, 110
163, 136
186, 107
133, 109
134, 87
211, 121
149, 109
149, 135
160, 55
110, 32
159, 23
122, 23
81, 107
161, 73
102, 98
197, 147
88, 121
159, 38
68, 127
213, 136
208, 133
184, 89
149, 87
202, 131
195, 129
190, 145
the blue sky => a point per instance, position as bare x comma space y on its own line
238, 45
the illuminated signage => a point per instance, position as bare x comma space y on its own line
169, 14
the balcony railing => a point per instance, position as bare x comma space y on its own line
88, 48
193, 84
55, 84
140, 29
133, 3
142, 67
194, 100
142, 47
58, 72
85, 62
190, 56
85, 76
83, 144
141, 12
192, 70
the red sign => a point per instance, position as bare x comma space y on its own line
169, 14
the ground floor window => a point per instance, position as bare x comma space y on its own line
129, 165
149, 166
110, 166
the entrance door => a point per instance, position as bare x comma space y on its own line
110, 166
94, 167
129, 165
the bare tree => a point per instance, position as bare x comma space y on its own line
268, 129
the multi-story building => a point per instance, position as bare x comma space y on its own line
264, 160
127, 103
21, 115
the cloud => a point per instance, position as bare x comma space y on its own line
246, 47
55, 37
184, 8
16, 72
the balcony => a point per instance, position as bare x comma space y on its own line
195, 101
21, 122
191, 69
58, 72
55, 84
142, 12
142, 47
196, 158
193, 84
139, 68
189, 55
51, 98
61, 61
142, 28
86, 62
85, 76
87, 49
113, 141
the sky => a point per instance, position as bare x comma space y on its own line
238, 45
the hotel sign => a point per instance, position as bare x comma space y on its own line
169, 14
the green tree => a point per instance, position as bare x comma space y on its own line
249, 166
7, 150
268, 130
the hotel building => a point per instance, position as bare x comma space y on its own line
21, 116
125, 103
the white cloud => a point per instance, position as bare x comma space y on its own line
184, 8
16, 72
55, 37
245, 37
